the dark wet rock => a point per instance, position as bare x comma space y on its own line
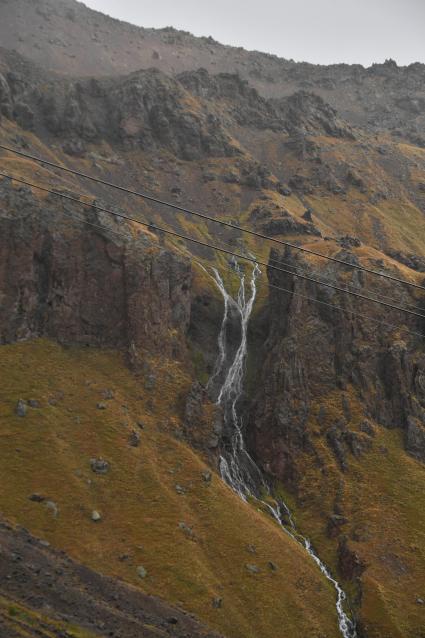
350, 564
308, 215
335, 524
349, 242
134, 439
74, 148
272, 566
289, 226
150, 382
367, 428
202, 426
99, 466
335, 437
415, 262
284, 190
217, 603
415, 438
37, 498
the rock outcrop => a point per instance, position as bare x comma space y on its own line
351, 355
62, 279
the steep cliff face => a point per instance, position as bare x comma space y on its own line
337, 421
313, 350
63, 279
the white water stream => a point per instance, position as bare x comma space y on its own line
237, 467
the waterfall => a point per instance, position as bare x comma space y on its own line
238, 469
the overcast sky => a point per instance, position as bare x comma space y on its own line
321, 31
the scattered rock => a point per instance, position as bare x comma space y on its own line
217, 603
44, 543
420, 601
101, 406
107, 394
51, 505
99, 466
284, 190
253, 569
37, 498
141, 572
349, 242
272, 566
150, 382
367, 428
180, 489
188, 531
33, 403
207, 477
96, 516
21, 408
123, 558
134, 439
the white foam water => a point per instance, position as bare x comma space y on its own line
238, 469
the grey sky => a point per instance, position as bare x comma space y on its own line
320, 31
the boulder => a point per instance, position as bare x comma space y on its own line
99, 466
21, 408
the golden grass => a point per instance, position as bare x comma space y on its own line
49, 452
382, 498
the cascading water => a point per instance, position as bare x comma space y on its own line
237, 467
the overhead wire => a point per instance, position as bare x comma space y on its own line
209, 218
333, 306
80, 220
211, 246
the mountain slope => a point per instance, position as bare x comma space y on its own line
66, 37
161, 506
330, 158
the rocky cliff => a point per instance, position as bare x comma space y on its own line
65, 280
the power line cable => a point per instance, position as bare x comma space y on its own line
212, 246
208, 217
330, 305
232, 271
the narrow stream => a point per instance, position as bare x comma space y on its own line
237, 467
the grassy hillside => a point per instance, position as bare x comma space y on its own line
193, 537
381, 498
